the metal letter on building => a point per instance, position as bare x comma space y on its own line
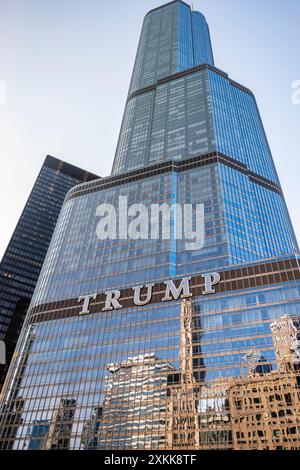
176, 292
111, 302
137, 294
86, 304
210, 280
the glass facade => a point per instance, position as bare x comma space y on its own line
210, 368
173, 39
24, 256
123, 371
192, 115
241, 225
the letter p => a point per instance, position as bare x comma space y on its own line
210, 280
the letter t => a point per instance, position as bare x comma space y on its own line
87, 299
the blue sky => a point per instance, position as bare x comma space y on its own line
67, 65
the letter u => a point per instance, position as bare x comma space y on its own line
137, 294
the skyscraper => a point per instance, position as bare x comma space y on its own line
190, 136
24, 256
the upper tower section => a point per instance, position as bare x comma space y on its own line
173, 38
180, 106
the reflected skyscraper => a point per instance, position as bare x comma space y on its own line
60, 427
162, 370
183, 426
134, 407
265, 405
38, 435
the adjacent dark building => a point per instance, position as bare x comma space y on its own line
24, 256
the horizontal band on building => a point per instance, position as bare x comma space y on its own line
248, 277
184, 73
168, 166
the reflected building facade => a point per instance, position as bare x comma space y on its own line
265, 405
60, 427
168, 374
183, 425
134, 406
38, 435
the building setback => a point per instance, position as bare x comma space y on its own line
169, 371
24, 256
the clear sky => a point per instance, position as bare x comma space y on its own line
67, 64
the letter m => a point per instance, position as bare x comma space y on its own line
172, 292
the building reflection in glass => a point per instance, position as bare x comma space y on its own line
60, 429
38, 435
183, 388
134, 408
149, 403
